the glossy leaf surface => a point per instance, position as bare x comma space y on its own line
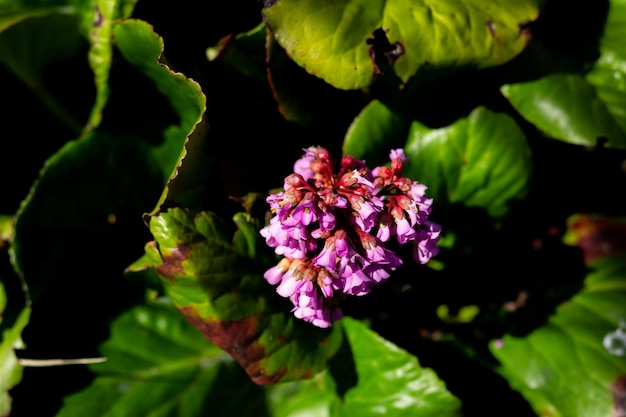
480, 161
333, 39
582, 109
391, 381
216, 279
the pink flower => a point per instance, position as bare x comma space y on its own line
334, 230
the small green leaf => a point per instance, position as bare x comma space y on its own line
375, 132
6, 229
216, 279
570, 366
598, 236
159, 365
391, 381
333, 39
244, 52
10, 369
480, 161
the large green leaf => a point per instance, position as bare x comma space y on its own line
159, 365
581, 109
575, 365
10, 369
479, 161
391, 381
112, 173
216, 279
333, 39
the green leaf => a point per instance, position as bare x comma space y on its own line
99, 24
480, 161
159, 365
311, 397
608, 75
391, 381
568, 367
10, 369
375, 132
142, 48
114, 173
216, 279
580, 109
332, 39
6, 229
566, 107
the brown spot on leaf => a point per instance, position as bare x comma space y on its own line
598, 236
172, 263
491, 27
525, 30
618, 389
381, 51
98, 18
240, 338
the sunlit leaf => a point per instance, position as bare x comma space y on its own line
216, 279
582, 109
566, 107
480, 161
6, 229
100, 23
310, 397
333, 39
391, 381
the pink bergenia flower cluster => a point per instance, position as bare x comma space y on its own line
337, 231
